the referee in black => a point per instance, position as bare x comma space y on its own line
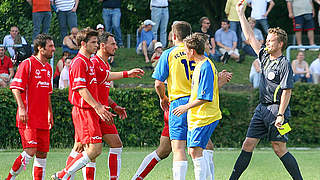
275, 91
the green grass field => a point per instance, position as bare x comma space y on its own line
264, 165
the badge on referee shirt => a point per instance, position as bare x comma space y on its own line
271, 75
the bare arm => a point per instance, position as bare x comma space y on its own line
121, 111
285, 99
11, 73
74, 9
133, 73
290, 11
247, 30
161, 91
21, 109
68, 42
256, 65
184, 108
271, 4
60, 65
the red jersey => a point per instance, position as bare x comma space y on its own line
82, 75
4, 67
102, 72
40, 5
33, 79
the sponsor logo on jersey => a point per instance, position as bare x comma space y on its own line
32, 142
37, 74
48, 73
43, 84
96, 137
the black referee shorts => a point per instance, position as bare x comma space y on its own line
262, 123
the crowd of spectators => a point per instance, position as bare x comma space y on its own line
152, 37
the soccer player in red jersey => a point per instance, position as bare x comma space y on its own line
32, 87
107, 48
83, 94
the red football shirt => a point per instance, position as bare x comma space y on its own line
7, 63
41, 5
82, 75
34, 80
102, 72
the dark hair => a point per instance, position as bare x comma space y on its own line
85, 34
64, 52
281, 36
225, 20
202, 19
181, 29
196, 41
103, 38
40, 41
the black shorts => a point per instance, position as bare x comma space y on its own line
262, 123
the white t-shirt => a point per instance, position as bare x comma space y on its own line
159, 3
8, 40
259, 8
315, 66
64, 75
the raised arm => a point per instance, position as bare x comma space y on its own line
246, 28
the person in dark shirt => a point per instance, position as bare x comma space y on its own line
275, 91
111, 14
205, 29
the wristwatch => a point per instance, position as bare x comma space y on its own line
280, 115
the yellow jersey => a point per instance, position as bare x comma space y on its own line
175, 67
204, 87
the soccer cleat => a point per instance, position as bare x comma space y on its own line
55, 177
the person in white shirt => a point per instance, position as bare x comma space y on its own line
8, 40
260, 12
67, 16
315, 70
64, 76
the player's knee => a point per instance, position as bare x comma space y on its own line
31, 151
163, 153
248, 145
279, 148
41, 155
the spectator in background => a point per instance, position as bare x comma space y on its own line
302, 13
41, 16
70, 42
170, 38
227, 41
160, 15
6, 68
67, 16
111, 14
145, 39
59, 68
64, 76
100, 28
258, 35
205, 29
301, 69
255, 73
9, 40
157, 53
315, 70
233, 18
260, 12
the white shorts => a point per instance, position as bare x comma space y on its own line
149, 49
235, 52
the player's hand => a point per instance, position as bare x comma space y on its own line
224, 77
136, 73
164, 103
104, 114
74, 9
23, 115
50, 120
78, 147
180, 110
279, 121
240, 7
121, 111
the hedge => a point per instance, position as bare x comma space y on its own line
144, 124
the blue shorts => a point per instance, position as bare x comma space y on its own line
303, 22
178, 126
200, 136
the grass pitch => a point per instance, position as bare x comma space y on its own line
263, 166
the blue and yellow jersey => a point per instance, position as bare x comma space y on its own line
204, 87
174, 67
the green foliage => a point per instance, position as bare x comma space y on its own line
145, 118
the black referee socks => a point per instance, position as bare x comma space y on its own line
241, 164
291, 165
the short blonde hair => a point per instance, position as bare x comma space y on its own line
281, 36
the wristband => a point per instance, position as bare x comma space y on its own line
124, 74
113, 105
279, 115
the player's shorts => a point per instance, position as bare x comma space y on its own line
165, 131
199, 137
107, 128
35, 138
178, 126
304, 22
86, 125
262, 123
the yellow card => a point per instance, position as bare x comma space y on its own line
284, 129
